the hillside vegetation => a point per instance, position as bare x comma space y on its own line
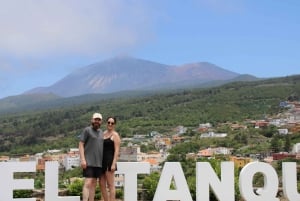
38, 130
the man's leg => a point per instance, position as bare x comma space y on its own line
88, 191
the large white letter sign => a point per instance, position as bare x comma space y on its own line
51, 184
172, 170
289, 180
206, 177
130, 171
270, 188
8, 184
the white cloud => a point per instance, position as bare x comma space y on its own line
41, 39
34, 28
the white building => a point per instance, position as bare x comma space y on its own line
71, 161
277, 122
130, 154
222, 150
283, 131
119, 180
296, 148
212, 134
206, 125
180, 130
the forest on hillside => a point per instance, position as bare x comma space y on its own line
38, 130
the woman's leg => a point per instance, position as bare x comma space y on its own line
102, 184
110, 179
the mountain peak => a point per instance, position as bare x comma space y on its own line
124, 72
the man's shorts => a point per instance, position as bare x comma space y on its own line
92, 172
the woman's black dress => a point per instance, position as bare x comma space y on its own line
108, 154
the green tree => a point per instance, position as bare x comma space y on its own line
287, 144
22, 193
120, 193
75, 188
275, 143
269, 131
149, 185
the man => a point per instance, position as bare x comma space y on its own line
91, 153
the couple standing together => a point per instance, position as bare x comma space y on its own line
99, 153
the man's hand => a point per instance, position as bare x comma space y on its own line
83, 164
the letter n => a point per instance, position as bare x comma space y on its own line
207, 178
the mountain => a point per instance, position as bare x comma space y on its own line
127, 73
34, 131
120, 77
12, 104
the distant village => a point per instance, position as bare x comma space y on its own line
287, 123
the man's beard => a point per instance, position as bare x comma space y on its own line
96, 126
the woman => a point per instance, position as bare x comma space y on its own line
111, 147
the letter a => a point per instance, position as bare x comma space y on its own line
172, 170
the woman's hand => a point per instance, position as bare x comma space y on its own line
113, 167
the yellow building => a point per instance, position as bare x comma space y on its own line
240, 162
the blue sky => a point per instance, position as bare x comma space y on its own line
42, 41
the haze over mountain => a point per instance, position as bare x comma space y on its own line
127, 73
